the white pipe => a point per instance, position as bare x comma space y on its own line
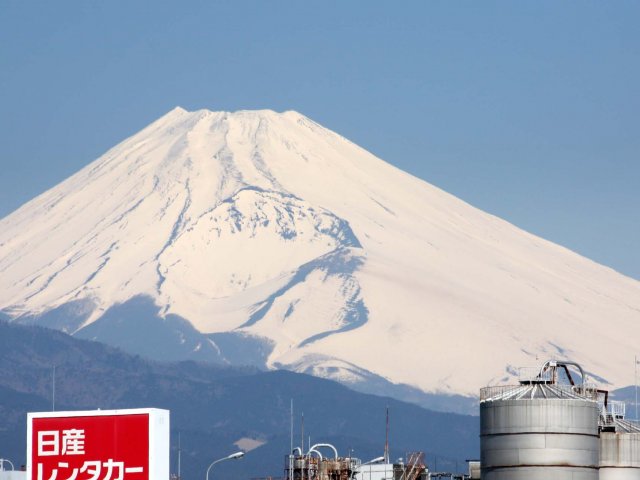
327, 445
556, 363
313, 450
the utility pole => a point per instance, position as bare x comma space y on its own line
386, 439
636, 383
179, 459
53, 390
291, 459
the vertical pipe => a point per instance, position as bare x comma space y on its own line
179, 459
636, 376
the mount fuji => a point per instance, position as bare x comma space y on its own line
263, 238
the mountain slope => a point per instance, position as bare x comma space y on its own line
212, 407
264, 238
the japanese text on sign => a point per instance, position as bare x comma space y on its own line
71, 442
101, 447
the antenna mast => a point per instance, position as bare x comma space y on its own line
179, 455
386, 440
53, 390
302, 446
291, 459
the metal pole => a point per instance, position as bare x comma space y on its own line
386, 439
233, 456
179, 454
291, 459
53, 390
212, 464
635, 364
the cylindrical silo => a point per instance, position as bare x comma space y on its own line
620, 452
539, 430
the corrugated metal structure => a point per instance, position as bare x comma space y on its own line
540, 429
552, 425
313, 466
12, 475
310, 467
474, 470
619, 444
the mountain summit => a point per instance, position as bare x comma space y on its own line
263, 238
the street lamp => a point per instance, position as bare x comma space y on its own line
3, 461
233, 456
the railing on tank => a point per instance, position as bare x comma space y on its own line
616, 408
629, 426
612, 412
554, 391
533, 375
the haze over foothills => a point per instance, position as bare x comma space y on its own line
527, 111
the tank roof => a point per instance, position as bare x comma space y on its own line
625, 426
545, 391
545, 383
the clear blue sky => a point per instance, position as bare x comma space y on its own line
528, 110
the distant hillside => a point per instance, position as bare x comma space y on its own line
212, 407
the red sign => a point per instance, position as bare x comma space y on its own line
89, 447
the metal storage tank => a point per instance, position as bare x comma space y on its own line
541, 428
619, 444
474, 469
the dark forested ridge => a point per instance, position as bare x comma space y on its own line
212, 407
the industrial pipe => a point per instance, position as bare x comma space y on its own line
565, 364
327, 445
313, 450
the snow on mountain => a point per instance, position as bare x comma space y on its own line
262, 237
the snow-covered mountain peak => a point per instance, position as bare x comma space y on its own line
263, 237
